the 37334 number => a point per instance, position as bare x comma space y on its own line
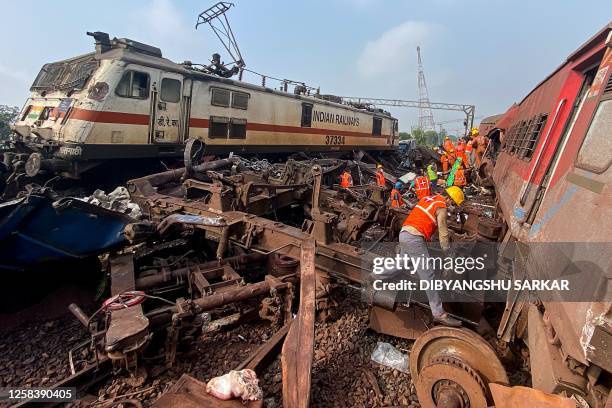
334, 140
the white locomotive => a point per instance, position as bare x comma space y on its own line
125, 101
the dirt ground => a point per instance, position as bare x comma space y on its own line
35, 354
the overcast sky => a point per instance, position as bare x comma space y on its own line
486, 53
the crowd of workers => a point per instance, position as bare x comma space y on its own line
435, 191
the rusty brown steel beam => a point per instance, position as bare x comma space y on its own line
152, 281
146, 185
296, 357
239, 294
265, 236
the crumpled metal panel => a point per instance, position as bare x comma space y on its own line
36, 229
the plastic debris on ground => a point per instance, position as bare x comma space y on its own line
117, 200
387, 355
241, 384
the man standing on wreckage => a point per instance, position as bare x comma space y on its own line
426, 217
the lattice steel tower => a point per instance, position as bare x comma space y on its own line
426, 121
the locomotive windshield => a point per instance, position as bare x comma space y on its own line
69, 75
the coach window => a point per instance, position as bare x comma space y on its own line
240, 100
594, 154
377, 126
533, 136
218, 127
134, 84
306, 115
237, 129
170, 90
220, 97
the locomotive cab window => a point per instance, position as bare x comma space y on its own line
237, 129
306, 115
134, 84
377, 126
170, 90
218, 127
220, 97
240, 100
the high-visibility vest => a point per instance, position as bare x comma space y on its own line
433, 176
422, 187
346, 180
396, 198
460, 178
380, 178
423, 216
468, 147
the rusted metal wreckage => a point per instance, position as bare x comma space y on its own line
212, 251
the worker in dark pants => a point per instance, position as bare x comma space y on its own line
428, 216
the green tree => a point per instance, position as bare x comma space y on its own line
405, 136
8, 115
427, 138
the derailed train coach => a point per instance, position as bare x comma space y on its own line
551, 169
125, 101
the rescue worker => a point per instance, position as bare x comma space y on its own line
346, 180
460, 180
396, 197
422, 186
479, 145
469, 153
461, 152
448, 144
380, 176
430, 214
432, 173
445, 162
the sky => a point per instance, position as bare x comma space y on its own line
489, 53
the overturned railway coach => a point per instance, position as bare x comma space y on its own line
552, 175
125, 101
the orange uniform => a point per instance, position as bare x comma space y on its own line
380, 178
464, 158
448, 145
422, 187
423, 216
468, 147
396, 199
445, 162
346, 180
460, 180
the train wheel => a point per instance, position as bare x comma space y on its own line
451, 366
448, 382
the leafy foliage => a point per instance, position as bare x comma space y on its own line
8, 115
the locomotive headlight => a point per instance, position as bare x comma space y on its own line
98, 91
